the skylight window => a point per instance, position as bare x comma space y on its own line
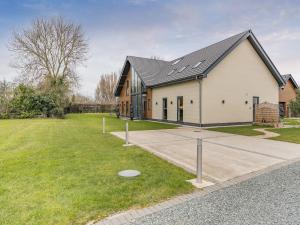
197, 64
182, 69
177, 61
172, 71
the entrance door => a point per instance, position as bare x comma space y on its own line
136, 103
165, 109
145, 108
255, 103
127, 109
282, 109
180, 109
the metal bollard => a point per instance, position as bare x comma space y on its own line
127, 135
103, 125
199, 161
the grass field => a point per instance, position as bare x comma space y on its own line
240, 130
65, 171
288, 135
291, 121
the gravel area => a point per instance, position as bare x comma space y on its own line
272, 198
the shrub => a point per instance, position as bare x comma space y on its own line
28, 103
295, 105
4, 115
58, 112
25, 115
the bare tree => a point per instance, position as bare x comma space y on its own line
104, 93
49, 51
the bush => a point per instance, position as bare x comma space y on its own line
57, 112
295, 105
26, 115
29, 103
4, 116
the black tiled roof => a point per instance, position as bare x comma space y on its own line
158, 72
154, 72
287, 77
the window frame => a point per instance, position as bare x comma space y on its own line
165, 108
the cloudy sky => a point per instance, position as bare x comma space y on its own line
168, 29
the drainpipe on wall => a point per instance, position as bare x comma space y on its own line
200, 99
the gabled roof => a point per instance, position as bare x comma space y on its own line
144, 67
288, 77
158, 72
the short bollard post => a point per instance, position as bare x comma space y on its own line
198, 182
126, 130
127, 136
199, 160
103, 125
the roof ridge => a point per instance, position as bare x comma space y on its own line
147, 58
289, 76
244, 33
155, 72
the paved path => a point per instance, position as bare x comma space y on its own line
272, 198
225, 156
267, 134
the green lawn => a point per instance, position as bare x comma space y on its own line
287, 134
291, 121
241, 130
65, 171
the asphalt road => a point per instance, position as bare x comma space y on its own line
272, 198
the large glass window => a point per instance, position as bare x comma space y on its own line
136, 94
136, 84
127, 88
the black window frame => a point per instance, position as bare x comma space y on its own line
165, 108
254, 105
178, 109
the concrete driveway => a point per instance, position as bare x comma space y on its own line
225, 156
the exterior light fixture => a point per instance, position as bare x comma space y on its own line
223, 101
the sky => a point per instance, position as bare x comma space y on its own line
167, 29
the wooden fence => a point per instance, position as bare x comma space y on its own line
90, 108
267, 113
